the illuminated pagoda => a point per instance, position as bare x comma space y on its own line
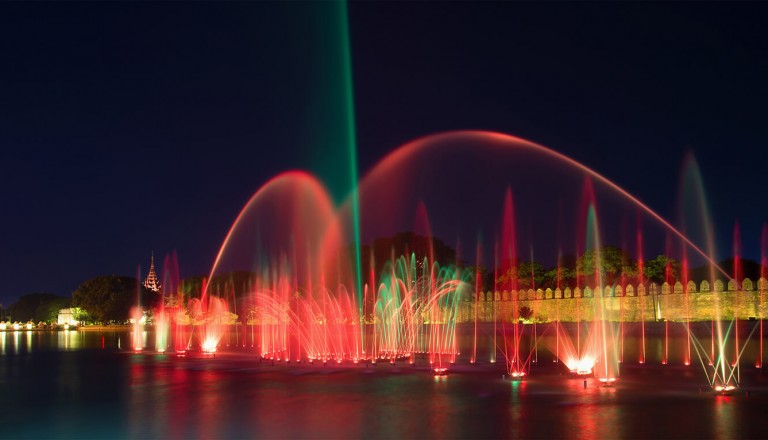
151, 282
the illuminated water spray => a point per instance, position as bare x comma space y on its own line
306, 301
762, 287
606, 365
720, 364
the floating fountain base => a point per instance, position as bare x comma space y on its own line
581, 372
607, 381
724, 390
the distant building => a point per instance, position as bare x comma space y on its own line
151, 281
66, 316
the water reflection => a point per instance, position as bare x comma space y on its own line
69, 339
78, 381
724, 417
517, 410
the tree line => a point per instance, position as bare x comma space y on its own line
614, 266
108, 299
105, 299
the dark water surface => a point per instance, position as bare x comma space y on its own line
65, 385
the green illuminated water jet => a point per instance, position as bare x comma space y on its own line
331, 118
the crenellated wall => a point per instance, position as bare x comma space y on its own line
632, 303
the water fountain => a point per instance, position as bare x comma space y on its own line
137, 334
314, 294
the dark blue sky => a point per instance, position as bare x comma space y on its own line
131, 127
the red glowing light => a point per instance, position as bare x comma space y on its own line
505, 141
442, 371
580, 366
306, 185
724, 389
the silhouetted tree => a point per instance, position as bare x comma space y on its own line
38, 307
473, 271
109, 298
407, 243
526, 313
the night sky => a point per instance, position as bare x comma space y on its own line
127, 128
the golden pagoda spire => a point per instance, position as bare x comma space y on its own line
151, 282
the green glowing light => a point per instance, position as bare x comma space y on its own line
331, 144
351, 143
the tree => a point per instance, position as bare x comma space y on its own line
613, 263
565, 277
471, 275
38, 307
110, 298
406, 243
661, 267
526, 275
80, 315
526, 313
530, 275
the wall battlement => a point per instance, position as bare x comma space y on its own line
630, 303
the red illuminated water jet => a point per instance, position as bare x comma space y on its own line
303, 299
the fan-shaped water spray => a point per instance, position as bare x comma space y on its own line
287, 279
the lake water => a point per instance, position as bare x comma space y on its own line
79, 384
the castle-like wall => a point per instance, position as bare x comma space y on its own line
629, 303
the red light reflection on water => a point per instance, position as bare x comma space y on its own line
724, 423
593, 412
